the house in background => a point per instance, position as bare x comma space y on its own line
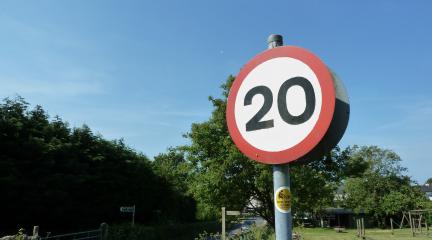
344, 217
427, 190
339, 216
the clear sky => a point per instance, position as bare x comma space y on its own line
143, 70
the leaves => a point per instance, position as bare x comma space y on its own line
380, 189
58, 177
223, 176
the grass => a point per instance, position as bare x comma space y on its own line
350, 234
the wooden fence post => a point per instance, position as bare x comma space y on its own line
358, 227
403, 218
35, 234
36, 231
104, 231
411, 223
391, 225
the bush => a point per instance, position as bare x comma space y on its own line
255, 233
185, 231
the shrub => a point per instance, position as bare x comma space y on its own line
186, 231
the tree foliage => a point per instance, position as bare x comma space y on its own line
314, 184
223, 176
176, 173
59, 177
173, 167
381, 189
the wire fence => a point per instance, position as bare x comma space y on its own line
93, 234
98, 234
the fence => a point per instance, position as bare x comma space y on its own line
98, 234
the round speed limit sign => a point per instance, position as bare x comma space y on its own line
281, 105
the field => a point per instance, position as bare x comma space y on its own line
350, 234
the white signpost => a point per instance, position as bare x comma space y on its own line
130, 209
233, 213
227, 213
284, 106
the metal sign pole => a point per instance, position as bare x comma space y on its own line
265, 141
283, 218
281, 182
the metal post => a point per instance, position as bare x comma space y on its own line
274, 40
281, 179
283, 219
223, 223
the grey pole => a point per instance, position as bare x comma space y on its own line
281, 177
274, 40
283, 219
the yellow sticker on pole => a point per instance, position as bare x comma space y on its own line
282, 199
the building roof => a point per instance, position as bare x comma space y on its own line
339, 210
426, 188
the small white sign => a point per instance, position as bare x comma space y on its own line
127, 209
233, 213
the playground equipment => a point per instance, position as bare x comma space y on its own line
417, 220
361, 233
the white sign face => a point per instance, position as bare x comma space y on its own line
233, 213
127, 209
278, 104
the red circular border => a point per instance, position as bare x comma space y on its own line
327, 108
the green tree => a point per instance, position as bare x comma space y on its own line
314, 184
381, 190
62, 178
429, 181
223, 176
175, 170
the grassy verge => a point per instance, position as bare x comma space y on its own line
191, 230
264, 233
350, 234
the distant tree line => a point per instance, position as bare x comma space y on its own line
64, 178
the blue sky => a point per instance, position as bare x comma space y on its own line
143, 70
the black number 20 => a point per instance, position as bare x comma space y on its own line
255, 122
